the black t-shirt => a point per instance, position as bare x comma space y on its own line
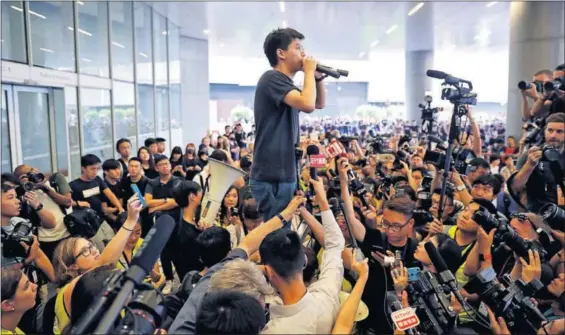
162, 191
116, 189
191, 163
239, 138
126, 190
181, 162
151, 173
89, 191
375, 289
541, 187
276, 129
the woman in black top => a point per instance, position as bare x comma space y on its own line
147, 163
178, 164
192, 166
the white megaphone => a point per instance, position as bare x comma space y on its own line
222, 176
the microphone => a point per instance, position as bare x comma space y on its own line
394, 305
310, 151
445, 276
336, 73
141, 265
437, 74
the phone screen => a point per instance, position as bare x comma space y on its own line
139, 195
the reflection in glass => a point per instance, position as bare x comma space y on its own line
160, 40
13, 32
146, 117
93, 38
162, 112
96, 123
60, 131
33, 112
52, 36
73, 129
144, 54
174, 84
121, 17
6, 159
124, 112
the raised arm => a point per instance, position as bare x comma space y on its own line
357, 227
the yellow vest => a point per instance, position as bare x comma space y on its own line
10, 332
122, 264
62, 317
462, 280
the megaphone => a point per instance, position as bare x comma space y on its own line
222, 176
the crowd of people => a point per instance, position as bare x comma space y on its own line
329, 260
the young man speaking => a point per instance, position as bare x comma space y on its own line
277, 102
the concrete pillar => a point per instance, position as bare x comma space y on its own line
419, 57
195, 89
536, 42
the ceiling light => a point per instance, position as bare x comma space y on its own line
490, 4
164, 32
415, 9
80, 3
205, 31
375, 42
17, 8
118, 45
391, 29
339, 88
284, 24
282, 7
46, 50
361, 54
86, 60
37, 14
144, 55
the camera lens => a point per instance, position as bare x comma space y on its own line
524, 85
553, 215
28, 186
551, 154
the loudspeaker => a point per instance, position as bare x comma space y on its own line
222, 176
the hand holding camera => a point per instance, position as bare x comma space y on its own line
532, 269
534, 155
435, 227
32, 250
31, 199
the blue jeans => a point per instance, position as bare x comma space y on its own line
272, 198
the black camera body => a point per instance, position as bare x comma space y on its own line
33, 180
146, 312
422, 217
11, 247
553, 215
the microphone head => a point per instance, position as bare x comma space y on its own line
343, 73
312, 150
436, 74
154, 243
435, 257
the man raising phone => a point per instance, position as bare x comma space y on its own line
277, 102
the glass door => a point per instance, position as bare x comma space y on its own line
33, 127
6, 142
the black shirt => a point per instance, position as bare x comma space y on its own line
150, 173
192, 163
126, 190
276, 129
239, 138
90, 191
375, 289
124, 167
541, 187
162, 191
180, 162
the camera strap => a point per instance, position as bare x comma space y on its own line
557, 174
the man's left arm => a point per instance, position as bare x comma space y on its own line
320, 93
113, 199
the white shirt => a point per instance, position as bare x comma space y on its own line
60, 230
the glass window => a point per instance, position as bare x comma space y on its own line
96, 123
124, 112
52, 35
121, 17
162, 112
93, 38
6, 157
160, 40
33, 110
61, 136
146, 116
174, 85
73, 129
144, 53
13, 32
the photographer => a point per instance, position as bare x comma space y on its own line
534, 92
451, 209
535, 172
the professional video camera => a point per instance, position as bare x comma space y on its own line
460, 159
144, 313
11, 243
512, 301
505, 234
432, 303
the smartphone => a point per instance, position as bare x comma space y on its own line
139, 195
378, 248
413, 274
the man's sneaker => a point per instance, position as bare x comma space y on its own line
168, 287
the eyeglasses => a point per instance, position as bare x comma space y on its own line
393, 227
87, 251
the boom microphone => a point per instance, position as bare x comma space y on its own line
437, 74
445, 276
141, 265
336, 73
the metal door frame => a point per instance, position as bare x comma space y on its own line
7, 92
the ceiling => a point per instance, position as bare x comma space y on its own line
341, 30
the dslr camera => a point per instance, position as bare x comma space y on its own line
11, 247
32, 180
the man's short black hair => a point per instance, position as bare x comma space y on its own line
448, 193
230, 312
560, 67
227, 126
160, 140
494, 157
401, 204
479, 162
213, 245
120, 141
547, 72
282, 250
489, 180
279, 39
489, 206
219, 155
183, 190
137, 159
111, 164
419, 168
89, 160
556, 117
149, 141
159, 158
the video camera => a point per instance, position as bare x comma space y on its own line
460, 160
510, 301
428, 113
505, 234
432, 303
144, 313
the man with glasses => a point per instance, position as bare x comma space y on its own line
396, 229
159, 199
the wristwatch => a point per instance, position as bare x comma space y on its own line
485, 257
40, 207
280, 217
460, 188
